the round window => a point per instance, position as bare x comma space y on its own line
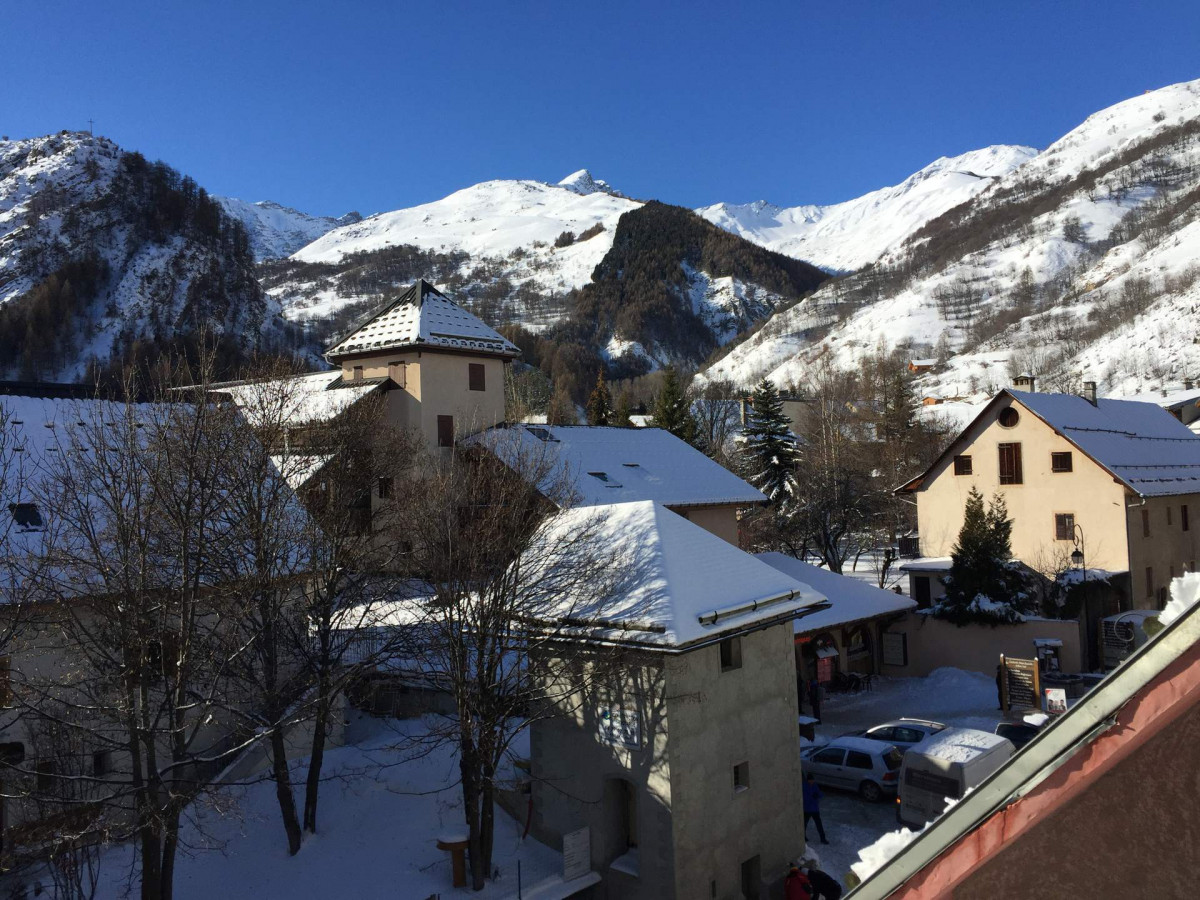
1009, 417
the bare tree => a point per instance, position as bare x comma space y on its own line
717, 411
506, 588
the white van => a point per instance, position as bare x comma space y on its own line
944, 766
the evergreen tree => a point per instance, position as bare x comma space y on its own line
621, 418
985, 583
671, 409
769, 453
599, 405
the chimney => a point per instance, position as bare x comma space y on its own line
1089, 392
1025, 383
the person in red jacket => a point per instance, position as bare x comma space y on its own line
796, 886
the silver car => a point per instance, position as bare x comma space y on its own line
856, 764
903, 733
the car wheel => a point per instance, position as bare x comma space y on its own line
870, 791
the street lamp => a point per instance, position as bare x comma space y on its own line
1077, 555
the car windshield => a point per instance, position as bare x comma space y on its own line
892, 758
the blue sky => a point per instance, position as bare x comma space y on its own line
375, 106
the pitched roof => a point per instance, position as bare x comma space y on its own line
850, 600
678, 584
1141, 444
616, 465
307, 399
423, 317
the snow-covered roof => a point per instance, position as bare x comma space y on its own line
851, 600
1172, 400
678, 584
924, 362
1142, 444
306, 399
297, 470
616, 465
927, 564
423, 317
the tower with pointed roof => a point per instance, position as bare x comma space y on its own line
447, 363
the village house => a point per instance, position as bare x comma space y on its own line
1106, 487
691, 752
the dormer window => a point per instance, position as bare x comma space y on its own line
26, 516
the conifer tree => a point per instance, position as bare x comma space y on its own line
599, 405
769, 453
671, 409
985, 584
621, 418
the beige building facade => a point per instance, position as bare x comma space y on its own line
1113, 480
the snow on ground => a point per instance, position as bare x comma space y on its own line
849, 235
951, 696
378, 828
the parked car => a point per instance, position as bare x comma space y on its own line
903, 733
856, 764
1021, 733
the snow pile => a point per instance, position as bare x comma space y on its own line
1185, 592
875, 856
850, 235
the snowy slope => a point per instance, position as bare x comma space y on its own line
277, 230
492, 221
849, 235
1031, 274
103, 248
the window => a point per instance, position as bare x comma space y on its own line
102, 762
26, 516
475, 376
1061, 462
881, 734
358, 373
832, 756
731, 654
385, 488
858, 760
445, 431
1064, 526
1149, 581
908, 736
752, 878
962, 465
1183, 517
1009, 417
741, 777
1010, 464
1145, 522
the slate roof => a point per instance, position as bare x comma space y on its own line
617, 465
678, 585
423, 317
1142, 444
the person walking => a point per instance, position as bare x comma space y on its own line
823, 886
812, 807
814, 698
796, 885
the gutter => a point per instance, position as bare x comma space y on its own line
1054, 747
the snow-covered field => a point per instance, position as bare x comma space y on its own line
381, 812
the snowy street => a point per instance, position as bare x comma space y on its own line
951, 696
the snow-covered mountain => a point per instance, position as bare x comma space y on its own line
847, 236
1083, 263
275, 230
103, 254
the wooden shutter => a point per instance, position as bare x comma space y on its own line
476, 376
1010, 464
